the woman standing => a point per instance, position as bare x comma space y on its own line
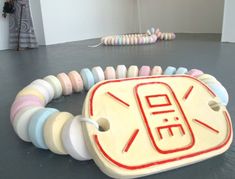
21, 29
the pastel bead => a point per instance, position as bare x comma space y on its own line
120, 41
88, 78
132, 41
52, 131
145, 71
109, 73
133, 71
121, 71
31, 91
195, 72
47, 86
220, 91
140, 40
169, 70
157, 70
124, 40
56, 85
148, 32
159, 34
66, 84
181, 71
144, 40
152, 30
98, 74
42, 90
74, 141
166, 36
106, 41
206, 78
36, 126
157, 30
135, 40
154, 38
76, 80
21, 122
116, 40
22, 102
127, 41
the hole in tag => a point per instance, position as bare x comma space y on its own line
214, 105
103, 124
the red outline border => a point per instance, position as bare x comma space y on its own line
96, 140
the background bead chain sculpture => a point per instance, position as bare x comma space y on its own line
61, 132
151, 36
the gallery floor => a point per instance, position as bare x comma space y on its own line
17, 69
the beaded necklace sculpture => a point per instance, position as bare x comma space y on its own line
179, 116
150, 37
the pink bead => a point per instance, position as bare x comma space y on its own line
116, 41
157, 70
159, 34
66, 84
24, 101
154, 37
157, 30
76, 80
144, 71
195, 72
140, 40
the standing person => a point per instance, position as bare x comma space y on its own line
21, 29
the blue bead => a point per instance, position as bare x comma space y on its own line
219, 91
169, 70
181, 70
88, 78
36, 126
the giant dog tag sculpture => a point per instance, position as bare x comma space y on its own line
154, 124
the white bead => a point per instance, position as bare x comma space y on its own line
73, 140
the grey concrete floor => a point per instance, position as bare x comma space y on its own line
17, 69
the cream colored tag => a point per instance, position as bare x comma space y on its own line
153, 124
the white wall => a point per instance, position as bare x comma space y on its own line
58, 21
72, 20
3, 29
36, 14
228, 34
190, 16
